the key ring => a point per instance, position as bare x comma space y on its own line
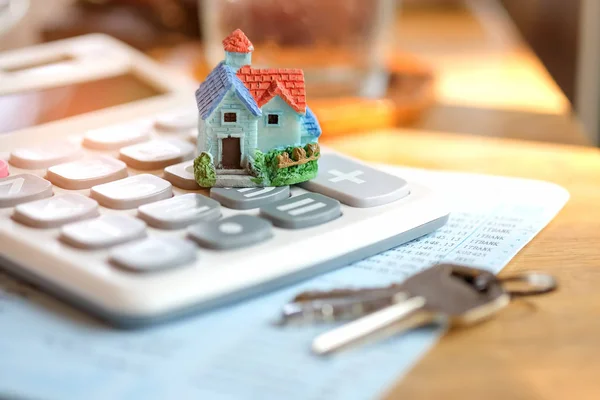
528, 284
535, 283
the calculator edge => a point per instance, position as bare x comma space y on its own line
130, 321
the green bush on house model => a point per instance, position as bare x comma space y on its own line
254, 127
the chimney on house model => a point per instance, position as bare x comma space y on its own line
238, 50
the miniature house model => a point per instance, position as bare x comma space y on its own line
254, 128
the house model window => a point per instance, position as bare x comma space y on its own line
273, 119
230, 117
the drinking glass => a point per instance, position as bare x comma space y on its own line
340, 44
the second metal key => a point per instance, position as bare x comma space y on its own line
458, 295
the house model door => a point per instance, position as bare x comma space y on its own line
232, 154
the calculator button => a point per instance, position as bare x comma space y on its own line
177, 121
180, 211
132, 192
44, 156
355, 184
154, 254
84, 174
182, 175
21, 188
192, 135
105, 231
117, 136
233, 232
302, 211
157, 154
246, 198
56, 211
3, 169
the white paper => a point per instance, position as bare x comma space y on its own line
50, 351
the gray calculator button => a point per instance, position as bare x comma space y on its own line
192, 135
156, 154
180, 211
83, 174
105, 231
16, 189
56, 210
45, 156
154, 253
132, 192
182, 175
233, 232
117, 136
177, 121
355, 184
246, 198
302, 211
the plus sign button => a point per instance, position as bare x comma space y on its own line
356, 184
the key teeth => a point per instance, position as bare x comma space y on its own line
337, 293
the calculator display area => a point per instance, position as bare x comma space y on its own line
36, 107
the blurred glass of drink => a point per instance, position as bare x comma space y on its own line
340, 44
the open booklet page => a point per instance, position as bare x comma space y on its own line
49, 351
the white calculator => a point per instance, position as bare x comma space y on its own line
99, 206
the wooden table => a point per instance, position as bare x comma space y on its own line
489, 82
542, 348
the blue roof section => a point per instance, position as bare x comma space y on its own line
216, 85
311, 124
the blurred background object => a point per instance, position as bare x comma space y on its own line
565, 35
502, 68
143, 24
11, 12
340, 44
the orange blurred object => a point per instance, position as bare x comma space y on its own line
345, 115
410, 93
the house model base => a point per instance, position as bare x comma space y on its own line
254, 127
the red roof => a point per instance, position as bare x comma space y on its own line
237, 42
266, 83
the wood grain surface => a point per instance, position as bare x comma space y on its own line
540, 348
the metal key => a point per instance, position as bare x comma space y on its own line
445, 293
337, 305
345, 304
